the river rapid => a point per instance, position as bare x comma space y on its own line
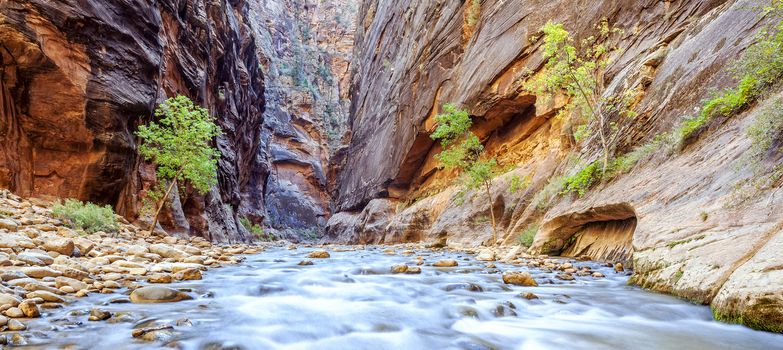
353, 301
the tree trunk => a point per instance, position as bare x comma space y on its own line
163, 201
604, 144
492, 214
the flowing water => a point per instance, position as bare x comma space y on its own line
351, 301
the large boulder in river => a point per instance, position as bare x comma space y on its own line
519, 278
157, 294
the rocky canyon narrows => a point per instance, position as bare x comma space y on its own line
328, 108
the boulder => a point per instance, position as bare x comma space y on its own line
63, 246
157, 294
446, 263
519, 278
168, 251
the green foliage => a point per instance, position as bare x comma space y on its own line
179, 143
518, 183
579, 75
180, 146
474, 12
256, 230
582, 180
760, 66
462, 150
528, 234
86, 216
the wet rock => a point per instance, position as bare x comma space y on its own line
3, 321
445, 263
491, 266
618, 267
519, 278
157, 294
528, 296
17, 340
29, 309
153, 334
99, 315
464, 286
597, 275
318, 254
305, 263
399, 268
412, 270
565, 276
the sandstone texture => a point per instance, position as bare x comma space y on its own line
671, 218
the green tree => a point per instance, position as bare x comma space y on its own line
462, 150
579, 75
180, 145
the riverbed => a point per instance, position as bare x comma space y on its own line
352, 301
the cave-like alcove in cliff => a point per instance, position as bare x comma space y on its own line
602, 233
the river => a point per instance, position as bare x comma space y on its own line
352, 301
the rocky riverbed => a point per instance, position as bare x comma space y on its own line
63, 289
46, 266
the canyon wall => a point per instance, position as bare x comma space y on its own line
307, 48
78, 77
673, 215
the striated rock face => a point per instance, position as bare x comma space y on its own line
307, 47
79, 77
671, 216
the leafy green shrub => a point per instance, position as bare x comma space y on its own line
180, 146
528, 234
518, 183
580, 182
86, 216
474, 12
255, 229
463, 151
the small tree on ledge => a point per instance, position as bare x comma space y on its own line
180, 146
462, 150
579, 75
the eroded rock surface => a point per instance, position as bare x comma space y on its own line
673, 212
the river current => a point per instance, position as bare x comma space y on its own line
352, 301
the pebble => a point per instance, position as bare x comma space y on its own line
99, 315
15, 325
